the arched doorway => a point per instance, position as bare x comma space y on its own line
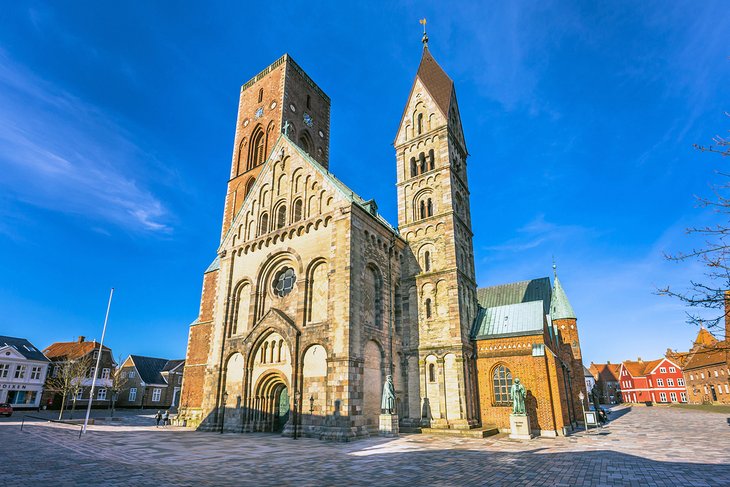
272, 403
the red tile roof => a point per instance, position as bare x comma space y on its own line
73, 350
436, 81
605, 372
640, 368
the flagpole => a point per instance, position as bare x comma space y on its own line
98, 361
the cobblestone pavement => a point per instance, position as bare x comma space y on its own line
644, 446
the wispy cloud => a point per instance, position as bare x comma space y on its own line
538, 232
61, 153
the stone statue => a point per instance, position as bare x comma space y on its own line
517, 392
387, 405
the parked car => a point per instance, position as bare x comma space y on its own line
6, 409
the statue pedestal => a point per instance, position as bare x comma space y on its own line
388, 426
520, 427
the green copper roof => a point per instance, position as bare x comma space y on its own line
516, 292
509, 320
214, 266
560, 307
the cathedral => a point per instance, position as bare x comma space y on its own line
314, 299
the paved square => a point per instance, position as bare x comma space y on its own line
641, 447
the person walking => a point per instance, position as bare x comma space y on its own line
166, 418
158, 417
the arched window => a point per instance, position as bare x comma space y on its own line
297, 212
427, 261
256, 157
263, 223
309, 100
431, 162
423, 210
419, 123
422, 159
261, 95
428, 308
273, 346
414, 167
429, 207
373, 300
263, 352
281, 217
502, 382
431, 372
305, 142
281, 345
249, 186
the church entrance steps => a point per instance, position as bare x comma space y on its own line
483, 432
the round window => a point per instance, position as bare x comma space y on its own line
284, 282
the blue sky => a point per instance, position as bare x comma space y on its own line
117, 124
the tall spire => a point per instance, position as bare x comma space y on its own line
424, 39
560, 307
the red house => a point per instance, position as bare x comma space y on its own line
658, 381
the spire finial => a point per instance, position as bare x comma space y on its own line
555, 268
424, 39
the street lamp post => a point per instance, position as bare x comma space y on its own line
223, 413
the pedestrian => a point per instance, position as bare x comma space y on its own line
158, 417
166, 418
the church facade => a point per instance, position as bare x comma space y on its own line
314, 298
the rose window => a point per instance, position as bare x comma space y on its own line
284, 282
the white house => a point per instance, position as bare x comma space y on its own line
23, 371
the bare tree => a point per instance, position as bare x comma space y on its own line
713, 255
67, 379
117, 382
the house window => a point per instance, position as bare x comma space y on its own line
670, 382
105, 373
673, 396
132, 394
156, 393
702, 375
672, 370
683, 396
662, 397
20, 372
131, 374
680, 382
663, 370
4, 370
35, 372
80, 394
101, 396
727, 389
660, 383
179, 379
691, 377
431, 372
715, 373
96, 355
502, 382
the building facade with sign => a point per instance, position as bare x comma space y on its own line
23, 370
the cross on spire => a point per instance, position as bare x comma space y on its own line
424, 39
286, 128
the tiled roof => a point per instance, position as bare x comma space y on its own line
605, 372
516, 292
639, 368
704, 337
23, 347
71, 350
510, 320
719, 353
436, 81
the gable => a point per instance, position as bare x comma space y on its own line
420, 101
9, 353
291, 190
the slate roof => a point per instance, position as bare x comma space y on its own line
23, 347
150, 368
71, 350
516, 292
436, 81
518, 319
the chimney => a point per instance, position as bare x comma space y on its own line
608, 362
81, 338
638, 359
727, 315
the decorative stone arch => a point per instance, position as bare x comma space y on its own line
499, 380
270, 265
316, 291
373, 290
373, 375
